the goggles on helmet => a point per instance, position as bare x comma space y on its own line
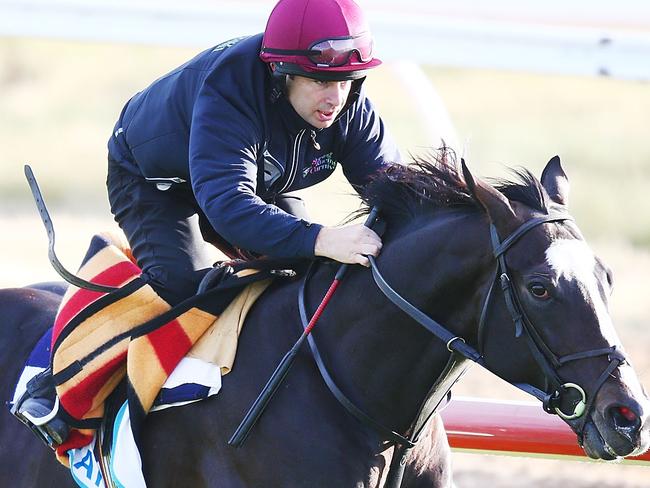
334, 52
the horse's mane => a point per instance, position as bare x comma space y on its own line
434, 182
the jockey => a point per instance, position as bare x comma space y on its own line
211, 151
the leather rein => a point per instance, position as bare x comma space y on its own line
568, 400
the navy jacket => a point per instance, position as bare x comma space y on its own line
220, 123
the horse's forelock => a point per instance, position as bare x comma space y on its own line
525, 188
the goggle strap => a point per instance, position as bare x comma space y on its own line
290, 52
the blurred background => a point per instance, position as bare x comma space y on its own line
505, 83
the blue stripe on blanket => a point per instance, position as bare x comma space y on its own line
40, 355
182, 393
38, 360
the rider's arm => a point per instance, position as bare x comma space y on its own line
348, 244
225, 140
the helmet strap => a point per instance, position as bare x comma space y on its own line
278, 83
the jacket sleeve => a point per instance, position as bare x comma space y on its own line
368, 146
225, 139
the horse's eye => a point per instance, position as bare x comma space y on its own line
539, 291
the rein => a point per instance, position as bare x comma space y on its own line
553, 401
438, 397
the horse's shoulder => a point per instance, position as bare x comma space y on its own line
27, 292
56, 287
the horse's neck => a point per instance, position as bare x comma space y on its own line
382, 358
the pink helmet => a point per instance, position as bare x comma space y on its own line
324, 39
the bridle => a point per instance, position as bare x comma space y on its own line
568, 400
555, 400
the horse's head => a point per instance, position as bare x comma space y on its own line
552, 313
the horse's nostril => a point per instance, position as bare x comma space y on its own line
627, 413
624, 418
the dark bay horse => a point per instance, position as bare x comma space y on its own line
439, 253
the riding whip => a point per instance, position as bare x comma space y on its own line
256, 410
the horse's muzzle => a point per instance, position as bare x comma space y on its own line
617, 431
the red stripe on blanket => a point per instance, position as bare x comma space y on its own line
75, 440
113, 276
171, 343
78, 400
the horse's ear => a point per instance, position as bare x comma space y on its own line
496, 205
555, 181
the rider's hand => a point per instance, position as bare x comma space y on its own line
348, 244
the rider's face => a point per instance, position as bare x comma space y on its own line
317, 102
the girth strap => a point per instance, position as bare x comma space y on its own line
397, 467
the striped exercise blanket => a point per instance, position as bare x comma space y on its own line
99, 338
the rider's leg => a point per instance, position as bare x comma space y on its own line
162, 227
39, 408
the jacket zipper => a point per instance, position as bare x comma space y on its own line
164, 184
313, 140
174, 179
293, 170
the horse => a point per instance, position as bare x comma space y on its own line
517, 289
32, 310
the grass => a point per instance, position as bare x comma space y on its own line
598, 126
59, 101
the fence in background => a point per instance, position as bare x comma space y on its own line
571, 37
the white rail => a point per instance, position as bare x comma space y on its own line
570, 37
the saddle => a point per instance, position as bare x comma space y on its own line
100, 339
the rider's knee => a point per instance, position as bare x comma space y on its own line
173, 285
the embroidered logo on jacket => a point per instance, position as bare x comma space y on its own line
324, 162
227, 44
